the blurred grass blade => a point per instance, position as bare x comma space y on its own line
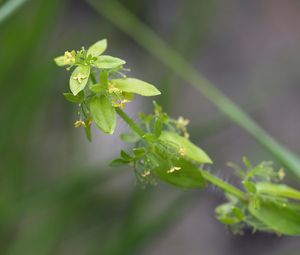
9, 8
187, 41
31, 91
143, 35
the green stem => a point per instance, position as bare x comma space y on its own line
130, 122
224, 185
93, 78
104, 77
209, 177
150, 41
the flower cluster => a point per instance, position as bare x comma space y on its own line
162, 149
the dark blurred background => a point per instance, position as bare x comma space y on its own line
57, 193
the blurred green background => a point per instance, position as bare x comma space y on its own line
57, 193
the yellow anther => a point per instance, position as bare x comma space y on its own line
69, 57
79, 123
182, 122
173, 169
121, 104
182, 151
146, 173
124, 102
113, 89
80, 77
281, 173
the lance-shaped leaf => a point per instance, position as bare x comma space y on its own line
108, 62
183, 145
158, 126
280, 190
282, 218
103, 114
79, 79
136, 86
78, 99
119, 162
179, 172
130, 137
97, 48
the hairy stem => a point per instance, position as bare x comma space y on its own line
209, 177
224, 185
130, 122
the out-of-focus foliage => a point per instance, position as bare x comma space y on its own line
270, 206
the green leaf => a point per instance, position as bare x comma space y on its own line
158, 126
224, 209
282, 218
79, 79
277, 190
108, 62
130, 138
119, 162
191, 150
228, 220
139, 152
103, 113
150, 137
97, 88
239, 213
98, 48
59, 61
188, 176
125, 156
136, 86
250, 186
74, 99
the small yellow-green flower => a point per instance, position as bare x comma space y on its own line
182, 122
79, 123
113, 89
146, 173
281, 173
121, 103
70, 57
